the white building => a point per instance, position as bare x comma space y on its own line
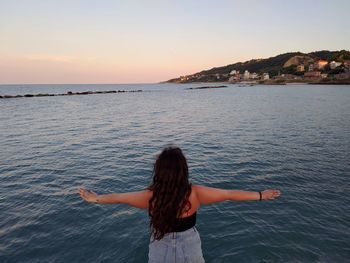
254, 75
266, 76
246, 75
334, 64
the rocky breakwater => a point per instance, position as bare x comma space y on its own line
69, 93
208, 87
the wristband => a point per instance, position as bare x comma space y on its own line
260, 196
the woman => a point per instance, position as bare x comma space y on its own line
172, 203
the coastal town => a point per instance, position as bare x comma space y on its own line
282, 69
318, 71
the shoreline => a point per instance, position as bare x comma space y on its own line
272, 82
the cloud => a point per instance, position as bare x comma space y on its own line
47, 57
57, 58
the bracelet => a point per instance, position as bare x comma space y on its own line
260, 196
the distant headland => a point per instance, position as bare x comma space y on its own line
319, 67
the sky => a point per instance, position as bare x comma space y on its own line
148, 41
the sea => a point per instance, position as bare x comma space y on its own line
295, 138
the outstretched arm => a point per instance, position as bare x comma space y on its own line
209, 195
137, 199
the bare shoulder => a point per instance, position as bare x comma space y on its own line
197, 193
198, 189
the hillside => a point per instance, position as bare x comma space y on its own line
273, 65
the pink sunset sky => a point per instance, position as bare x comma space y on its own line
152, 41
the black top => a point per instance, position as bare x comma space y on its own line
184, 223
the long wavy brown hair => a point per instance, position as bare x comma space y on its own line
171, 190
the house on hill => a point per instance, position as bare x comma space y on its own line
300, 68
334, 64
246, 75
266, 76
321, 64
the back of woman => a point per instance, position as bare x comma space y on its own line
172, 210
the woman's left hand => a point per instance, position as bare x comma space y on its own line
88, 196
270, 194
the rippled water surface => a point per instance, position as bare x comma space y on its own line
295, 138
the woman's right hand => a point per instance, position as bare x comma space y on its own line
270, 194
88, 196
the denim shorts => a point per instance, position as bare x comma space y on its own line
176, 247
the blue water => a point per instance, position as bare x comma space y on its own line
295, 138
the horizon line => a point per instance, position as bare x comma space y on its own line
126, 83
